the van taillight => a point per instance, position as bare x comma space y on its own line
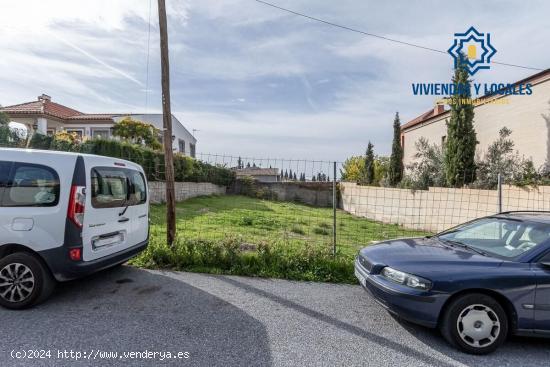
75, 254
77, 203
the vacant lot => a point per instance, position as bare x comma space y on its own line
245, 236
253, 221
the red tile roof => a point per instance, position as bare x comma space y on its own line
425, 116
431, 113
44, 106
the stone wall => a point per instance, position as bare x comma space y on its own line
184, 190
437, 208
311, 193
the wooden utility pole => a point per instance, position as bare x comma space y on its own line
167, 124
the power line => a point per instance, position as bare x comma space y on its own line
376, 35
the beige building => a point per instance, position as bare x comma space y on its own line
523, 114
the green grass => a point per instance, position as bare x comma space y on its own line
243, 235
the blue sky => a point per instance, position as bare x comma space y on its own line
256, 81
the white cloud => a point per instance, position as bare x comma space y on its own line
254, 80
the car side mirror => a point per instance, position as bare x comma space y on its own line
546, 264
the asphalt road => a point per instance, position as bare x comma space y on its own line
229, 321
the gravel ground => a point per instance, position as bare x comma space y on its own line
229, 321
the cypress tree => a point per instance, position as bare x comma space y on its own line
395, 173
369, 164
460, 147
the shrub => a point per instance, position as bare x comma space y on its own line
65, 141
501, 158
40, 141
10, 137
310, 263
353, 170
246, 221
297, 230
428, 169
321, 231
249, 187
138, 132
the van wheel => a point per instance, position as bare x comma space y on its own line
475, 323
24, 281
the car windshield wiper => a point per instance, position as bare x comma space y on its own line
465, 246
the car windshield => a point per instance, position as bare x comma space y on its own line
498, 236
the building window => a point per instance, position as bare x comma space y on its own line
402, 141
192, 150
443, 139
78, 132
50, 132
101, 134
181, 146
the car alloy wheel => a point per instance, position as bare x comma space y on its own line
478, 325
16, 282
475, 323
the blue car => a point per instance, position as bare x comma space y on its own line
478, 282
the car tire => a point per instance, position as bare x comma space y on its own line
24, 281
475, 323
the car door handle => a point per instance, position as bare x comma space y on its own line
122, 220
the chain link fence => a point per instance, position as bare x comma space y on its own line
302, 202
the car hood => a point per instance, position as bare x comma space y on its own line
423, 256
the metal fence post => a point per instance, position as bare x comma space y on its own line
499, 192
334, 210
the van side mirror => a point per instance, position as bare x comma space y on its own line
546, 264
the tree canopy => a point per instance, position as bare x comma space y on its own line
137, 132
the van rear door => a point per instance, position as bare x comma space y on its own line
116, 215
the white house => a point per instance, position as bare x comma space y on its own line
48, 117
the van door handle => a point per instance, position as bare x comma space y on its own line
122, 220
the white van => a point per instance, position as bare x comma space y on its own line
63, 216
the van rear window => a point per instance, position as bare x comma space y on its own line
117, 187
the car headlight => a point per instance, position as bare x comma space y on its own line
406, 279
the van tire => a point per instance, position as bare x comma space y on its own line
33, 275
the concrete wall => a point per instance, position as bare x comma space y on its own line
311, 193
184, 190
438, 208
523, 115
